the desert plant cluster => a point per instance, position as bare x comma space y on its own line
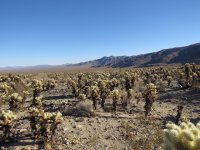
37, 106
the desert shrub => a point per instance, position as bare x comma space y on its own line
84, 109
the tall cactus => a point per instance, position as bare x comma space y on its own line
44, 125
179, 113
115, 95
37, 89
94, 95
187, 72
150, 97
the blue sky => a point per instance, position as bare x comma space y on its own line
34, 32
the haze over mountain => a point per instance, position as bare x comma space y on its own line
178, 55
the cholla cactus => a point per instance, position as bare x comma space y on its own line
44, 125
80, 82
37, 87
7, 124
169, 80
73, 86
15, 102
138, 97
5, 89
37, 102
183, 137
34, 120
150, 97
103, 92
82, 97
86, 91
130, 96
188, 73
94, 95
179, 113
115, 95
25, 94
51, 84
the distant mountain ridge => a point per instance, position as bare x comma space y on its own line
181, 55
176, 55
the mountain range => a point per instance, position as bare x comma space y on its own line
178, 55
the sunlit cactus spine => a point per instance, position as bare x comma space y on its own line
16, 102
183, 137
37, 102
73, 87
103, 92
51, 84
5, 89
7, 123
150, 97
94, 95
44, 125
35, 115
82, 97
113, 84
115, 95
86, 91
37, 88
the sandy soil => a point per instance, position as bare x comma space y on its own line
108, 130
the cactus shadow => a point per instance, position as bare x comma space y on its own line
57, 97
195, 120
169, 118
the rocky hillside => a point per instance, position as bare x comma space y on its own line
185, 54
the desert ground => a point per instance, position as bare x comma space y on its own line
83, 127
